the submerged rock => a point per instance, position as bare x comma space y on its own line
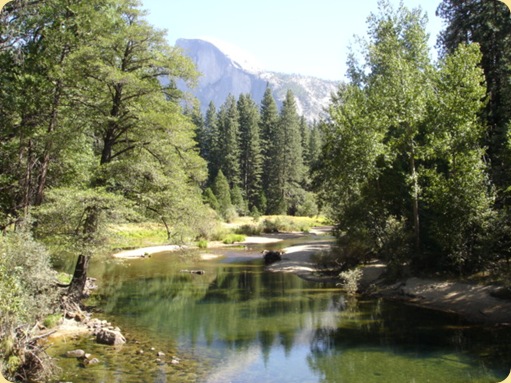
75, 354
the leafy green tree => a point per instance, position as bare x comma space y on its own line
401, 165
460, 203
36, 79
488, 23
400, 87
250, 149
122, 72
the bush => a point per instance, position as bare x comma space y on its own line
248, 229
202, 244
27, 294
350, 280
52, 320
232, 238
282, 224
26, 280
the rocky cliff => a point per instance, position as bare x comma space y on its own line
225, 72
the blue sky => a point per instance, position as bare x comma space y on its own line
309, 37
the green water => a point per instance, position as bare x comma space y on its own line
238, 323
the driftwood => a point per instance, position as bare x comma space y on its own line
198, 272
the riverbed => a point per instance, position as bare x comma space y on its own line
240, 323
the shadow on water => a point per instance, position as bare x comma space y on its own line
238, 323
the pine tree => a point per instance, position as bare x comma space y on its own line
250, 148
222, 194
305, 133
314, 146
212, 150
292, 160
268, 129
229, 141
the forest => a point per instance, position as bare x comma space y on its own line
412, 164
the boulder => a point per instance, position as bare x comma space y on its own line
271, 256
75, 354
110, 337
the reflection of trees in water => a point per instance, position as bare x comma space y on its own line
232, 304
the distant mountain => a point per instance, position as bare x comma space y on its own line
226, 70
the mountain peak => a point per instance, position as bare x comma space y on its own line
241, 58
227, 69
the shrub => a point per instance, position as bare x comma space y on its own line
232, 238
350, 279
202, 244
52, 320
27, 294
249, 229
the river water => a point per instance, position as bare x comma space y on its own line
239, 323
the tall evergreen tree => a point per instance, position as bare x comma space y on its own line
292, 169
212, 150
250, 150
315, 144
230, 141
305, 133
268, 128
223, 194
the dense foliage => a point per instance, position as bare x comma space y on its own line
92, 132
404, 166
264, 155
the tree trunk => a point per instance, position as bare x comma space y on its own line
77, 285
415, 203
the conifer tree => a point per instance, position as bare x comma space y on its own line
212, 151
250, 148
305, 133
314, 146
229, 141
268, 128
222, 194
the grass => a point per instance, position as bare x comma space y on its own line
52, 320
135, 235
145, 234
275, 224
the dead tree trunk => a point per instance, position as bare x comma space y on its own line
77, 285
89, 230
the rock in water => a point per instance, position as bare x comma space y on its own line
271, 256
76, 354
110, 337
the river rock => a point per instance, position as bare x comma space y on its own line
110, 337
271, 256
91, 362
75, 354
160, 354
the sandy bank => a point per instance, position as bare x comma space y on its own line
144, 251
473, 302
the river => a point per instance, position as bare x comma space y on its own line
239, 323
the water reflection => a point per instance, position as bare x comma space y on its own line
254, 326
